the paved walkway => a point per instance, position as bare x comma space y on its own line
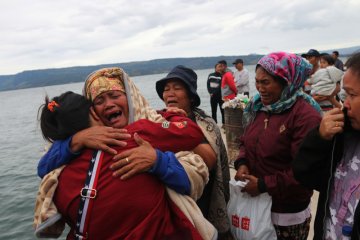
314, 198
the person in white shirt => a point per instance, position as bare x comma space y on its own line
241, 76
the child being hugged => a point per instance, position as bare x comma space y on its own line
324, 87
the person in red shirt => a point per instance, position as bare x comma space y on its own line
228, 87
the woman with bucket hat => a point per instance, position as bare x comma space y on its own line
179, 90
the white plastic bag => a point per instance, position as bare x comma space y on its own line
250, 217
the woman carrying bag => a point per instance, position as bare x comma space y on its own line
276, 120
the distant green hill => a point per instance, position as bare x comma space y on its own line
47, 77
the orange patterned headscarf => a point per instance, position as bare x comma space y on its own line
107, 79
117, 79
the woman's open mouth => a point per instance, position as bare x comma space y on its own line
112, 117
172, 103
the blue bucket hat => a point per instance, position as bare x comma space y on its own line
187, 76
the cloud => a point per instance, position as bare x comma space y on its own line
44, 34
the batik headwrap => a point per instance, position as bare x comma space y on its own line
107, 79
294, 70
139, 108
116, 79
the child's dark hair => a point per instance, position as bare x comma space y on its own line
328, 58
64, 116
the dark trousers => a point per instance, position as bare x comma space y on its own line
214, 102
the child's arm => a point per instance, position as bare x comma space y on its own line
335, 102
320, 98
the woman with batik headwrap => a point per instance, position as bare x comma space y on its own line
140, 207
276, 120
117, 102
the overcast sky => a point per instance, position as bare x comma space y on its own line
39, 34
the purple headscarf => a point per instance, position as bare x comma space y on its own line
294, 69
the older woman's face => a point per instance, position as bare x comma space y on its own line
176, 95
112, 108
269, 89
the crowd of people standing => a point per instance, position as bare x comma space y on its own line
299, 136
224, 85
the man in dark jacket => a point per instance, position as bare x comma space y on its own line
338, 63
328, 161
214, 89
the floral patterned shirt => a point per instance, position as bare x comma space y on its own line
345, 192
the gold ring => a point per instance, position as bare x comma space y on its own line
336, 123
127, 160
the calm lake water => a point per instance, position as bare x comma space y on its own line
21, 146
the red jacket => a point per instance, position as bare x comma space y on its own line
270, 150
137, 208
228, 87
